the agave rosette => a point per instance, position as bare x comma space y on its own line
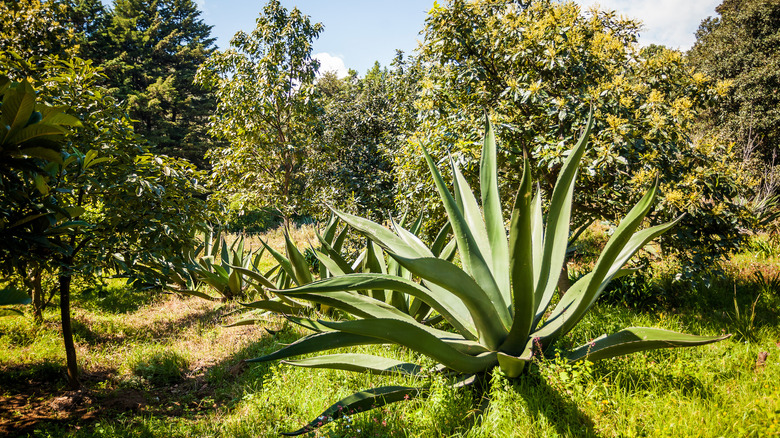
497, 301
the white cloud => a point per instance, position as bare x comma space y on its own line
332, 63
668, 22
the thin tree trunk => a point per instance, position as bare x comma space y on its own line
67, 329
34, 283
563, 280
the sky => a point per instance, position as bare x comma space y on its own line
359, 32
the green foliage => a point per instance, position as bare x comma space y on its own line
220, 266
363, 122
266, 111
36, 28
497, 302
539, 66
151, 52
741, 46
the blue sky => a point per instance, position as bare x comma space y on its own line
359, 32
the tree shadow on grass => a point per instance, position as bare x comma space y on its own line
39, 401
545, 402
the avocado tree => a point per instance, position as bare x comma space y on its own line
267, 111
539, 66
124, 207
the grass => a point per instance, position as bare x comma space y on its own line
157, 365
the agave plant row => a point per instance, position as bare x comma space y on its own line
497, 299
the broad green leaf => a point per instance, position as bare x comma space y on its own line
18, 105
491, 206
316, 342
419, 339
521, 267
43, 153
556, 236
36, 131
634, 339
359, 363
10, 295
359, 402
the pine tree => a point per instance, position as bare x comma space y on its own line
152, 51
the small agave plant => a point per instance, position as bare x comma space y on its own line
498, 302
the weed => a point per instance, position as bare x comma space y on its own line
158, 365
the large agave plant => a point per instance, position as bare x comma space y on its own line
497, 302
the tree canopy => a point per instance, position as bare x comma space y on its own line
742, 46
267, 111
539, 68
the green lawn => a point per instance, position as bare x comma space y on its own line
158, 365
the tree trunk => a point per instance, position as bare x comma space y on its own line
67, 330
563, 280
34, 283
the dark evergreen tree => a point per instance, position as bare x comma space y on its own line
152, 50
742, 45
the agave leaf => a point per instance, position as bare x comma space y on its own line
358, 402
441, 240
521, 267
568, 303
556, 236
491, 206
471, 257
350, 302
333, 255
446, 304
308, 323
537, 239
512, 366
301, 274
375, 263
329, 265
634, 339
359, 363
410, 239
283, 261
275, 306
418, 338
476, 224
338, 243
609, 261
316, 342
235, 283
330, 229
260, 278
377, 233
486, 315
448, 253
198, 294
